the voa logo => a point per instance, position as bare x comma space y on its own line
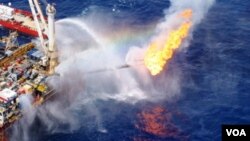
236, 132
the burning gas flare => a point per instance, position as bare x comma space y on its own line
157, 55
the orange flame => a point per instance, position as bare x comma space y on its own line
157, 56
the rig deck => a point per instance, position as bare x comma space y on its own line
21, 73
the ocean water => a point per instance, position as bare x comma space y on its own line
214, 87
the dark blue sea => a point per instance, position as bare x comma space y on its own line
214, 87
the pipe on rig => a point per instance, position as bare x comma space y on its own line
52, 50
125, 66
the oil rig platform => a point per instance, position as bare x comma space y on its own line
24, 69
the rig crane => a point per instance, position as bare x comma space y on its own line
46, 27
10, 41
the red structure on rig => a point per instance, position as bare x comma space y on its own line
18, 20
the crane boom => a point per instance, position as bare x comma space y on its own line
47, 28
38, 24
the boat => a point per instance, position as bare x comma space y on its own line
18, 20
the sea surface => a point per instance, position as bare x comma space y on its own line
215, 76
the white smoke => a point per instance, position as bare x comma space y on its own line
82, 50
26, 108
199, 7
170, 22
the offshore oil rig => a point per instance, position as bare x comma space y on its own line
24, 69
